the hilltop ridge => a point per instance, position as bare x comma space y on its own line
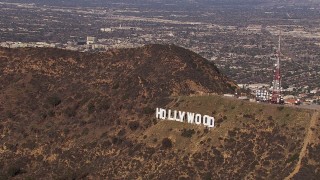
72, 115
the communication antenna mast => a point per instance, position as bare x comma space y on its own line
276, 84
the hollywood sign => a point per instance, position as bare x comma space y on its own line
182, 116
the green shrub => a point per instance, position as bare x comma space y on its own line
187, 133
70, 112
91, 108
54, 100
10, 114
122, 132
66, 131
115, 86
51, 113
280, 108
166, 143
125, 96
207, 176
85, 131
134, 125
14, 171
148, 110
43, 115
29, 144
293, 158
3, 176
104, 105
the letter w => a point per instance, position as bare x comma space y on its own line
190, 117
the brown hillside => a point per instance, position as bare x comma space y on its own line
71, 115
53, 102
123, 79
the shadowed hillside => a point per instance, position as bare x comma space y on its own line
71, 115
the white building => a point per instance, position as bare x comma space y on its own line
91, 40
262, 95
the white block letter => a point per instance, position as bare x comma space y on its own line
175, 115
190, 117
163, 114
181, 116
169, 115
158, 113
211, 122
205, 120
198, 119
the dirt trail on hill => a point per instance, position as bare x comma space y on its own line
173, 103
306, 141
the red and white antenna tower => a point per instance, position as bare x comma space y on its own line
276, 84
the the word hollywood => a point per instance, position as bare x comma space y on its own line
183, 116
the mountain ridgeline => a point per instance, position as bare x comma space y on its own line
135, 78
73, 115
